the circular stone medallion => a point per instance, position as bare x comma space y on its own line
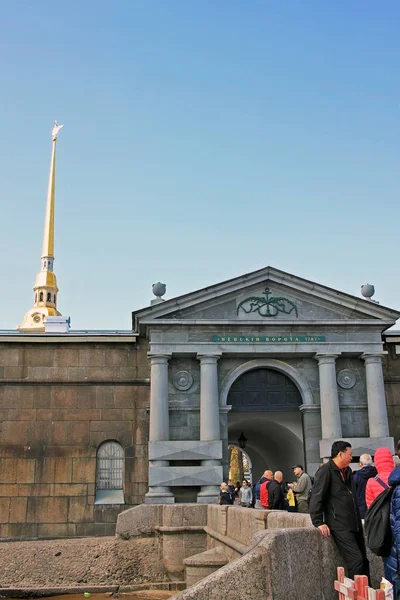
346, 379
183, 380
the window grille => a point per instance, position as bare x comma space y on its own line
110, 467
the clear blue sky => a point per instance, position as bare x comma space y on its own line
201, 140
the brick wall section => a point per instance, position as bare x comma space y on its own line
58, 402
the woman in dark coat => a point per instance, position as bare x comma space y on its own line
224, 495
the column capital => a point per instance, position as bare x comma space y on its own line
325, 359
373, 357
209, 359
310, 407
158, 359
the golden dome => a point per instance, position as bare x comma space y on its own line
34, 318
46, 279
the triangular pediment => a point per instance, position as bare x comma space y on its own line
267, 295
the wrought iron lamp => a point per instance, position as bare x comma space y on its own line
242, 439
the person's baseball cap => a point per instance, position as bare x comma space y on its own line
298, 467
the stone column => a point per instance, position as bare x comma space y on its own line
377, 410
209, 417
159, 421
330, 412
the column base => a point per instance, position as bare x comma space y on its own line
208, 495
159, 496
207, 499
366, 445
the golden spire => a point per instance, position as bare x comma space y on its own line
45, 288
48, 234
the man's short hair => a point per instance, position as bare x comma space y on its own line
339, 446
365, 459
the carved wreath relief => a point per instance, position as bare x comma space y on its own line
269, 306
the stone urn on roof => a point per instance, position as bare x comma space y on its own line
159, 290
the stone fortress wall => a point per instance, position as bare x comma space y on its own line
58, 402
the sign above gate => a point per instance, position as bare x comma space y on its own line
268, 339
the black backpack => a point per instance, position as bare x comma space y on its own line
377, 522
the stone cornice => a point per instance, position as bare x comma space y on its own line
67, 338
342, 407
71, 382
243, 323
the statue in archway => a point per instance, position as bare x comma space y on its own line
236, 467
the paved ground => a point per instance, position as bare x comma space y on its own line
142, 595
79, 562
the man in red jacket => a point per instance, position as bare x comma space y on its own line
264, 489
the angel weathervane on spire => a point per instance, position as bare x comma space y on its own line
55, 130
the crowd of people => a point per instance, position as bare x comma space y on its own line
337, 499
340, 501
270, 492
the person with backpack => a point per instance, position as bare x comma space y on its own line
376, 485
393, 562
333, 509
384, 464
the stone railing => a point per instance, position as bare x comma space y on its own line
234, 528
228, 550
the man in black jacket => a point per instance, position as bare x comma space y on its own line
365, 472
334, 510
276, 500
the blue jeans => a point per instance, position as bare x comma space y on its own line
387, 571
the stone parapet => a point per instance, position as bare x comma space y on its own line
180, 527
295, 563
147, 519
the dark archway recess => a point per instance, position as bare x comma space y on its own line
264, 390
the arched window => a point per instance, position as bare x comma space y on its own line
110, 474
54, 298
41, 297
48, 297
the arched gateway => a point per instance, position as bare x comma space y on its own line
292, 364
265, 408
